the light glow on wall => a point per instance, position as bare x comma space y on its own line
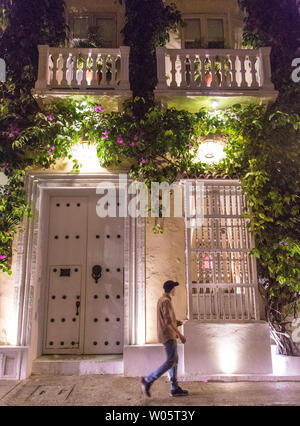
86, 155
227, 357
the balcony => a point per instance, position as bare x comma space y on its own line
194, 73
66, 71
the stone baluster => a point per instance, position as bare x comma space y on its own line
214, 81
202, 64
222, 73
64, 58
113, 70
74, 82
184, 79
173, 58
192, 66
232, 60
244, 84
94, 83
254, 83
55, 57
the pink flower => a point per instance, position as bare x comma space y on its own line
11, 135
106, 133
132, 144
279, 162
120, 140
135, 138
3, 256
50, 153
159, 166
51, 116
280, 242
53, 148
143, 160
99, 108
286, 244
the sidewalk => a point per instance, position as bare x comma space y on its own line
112, 390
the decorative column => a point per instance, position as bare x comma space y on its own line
265, 68
161, 68
124, 82
43, 70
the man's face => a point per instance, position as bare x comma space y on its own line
172, 292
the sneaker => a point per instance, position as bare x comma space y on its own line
179, 392
145, 386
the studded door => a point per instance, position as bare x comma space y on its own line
85, 279
66, 274
104, 294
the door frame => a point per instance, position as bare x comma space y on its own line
31, 265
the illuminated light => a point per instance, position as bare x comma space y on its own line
214, 104
86, 155
210, 152
227, 357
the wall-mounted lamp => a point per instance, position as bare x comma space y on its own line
210, 152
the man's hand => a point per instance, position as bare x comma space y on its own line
182, 338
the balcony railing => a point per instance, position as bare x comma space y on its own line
215, 70
83, 68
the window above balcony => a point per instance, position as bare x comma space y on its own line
203, 31
102, 28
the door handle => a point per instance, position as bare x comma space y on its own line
77, 307
96, 273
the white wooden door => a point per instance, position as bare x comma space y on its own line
104, 297
84, 306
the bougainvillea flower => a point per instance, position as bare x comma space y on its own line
132, 144
286, 244
144, 160
53, 148
135, 138
120, 140
106, 133
3, 256
99, 108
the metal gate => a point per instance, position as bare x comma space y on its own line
221, 272
84, 310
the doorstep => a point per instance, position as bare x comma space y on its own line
69, 365
239, 378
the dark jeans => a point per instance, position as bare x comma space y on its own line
170, 364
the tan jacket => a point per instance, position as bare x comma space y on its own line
165, 317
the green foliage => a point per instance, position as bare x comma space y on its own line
30, 23
277, 25
13, 206
147, 26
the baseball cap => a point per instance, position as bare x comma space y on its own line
168, 285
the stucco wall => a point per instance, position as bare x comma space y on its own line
165, 259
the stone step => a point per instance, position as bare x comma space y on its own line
67, 365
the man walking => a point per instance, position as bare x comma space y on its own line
167, 334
